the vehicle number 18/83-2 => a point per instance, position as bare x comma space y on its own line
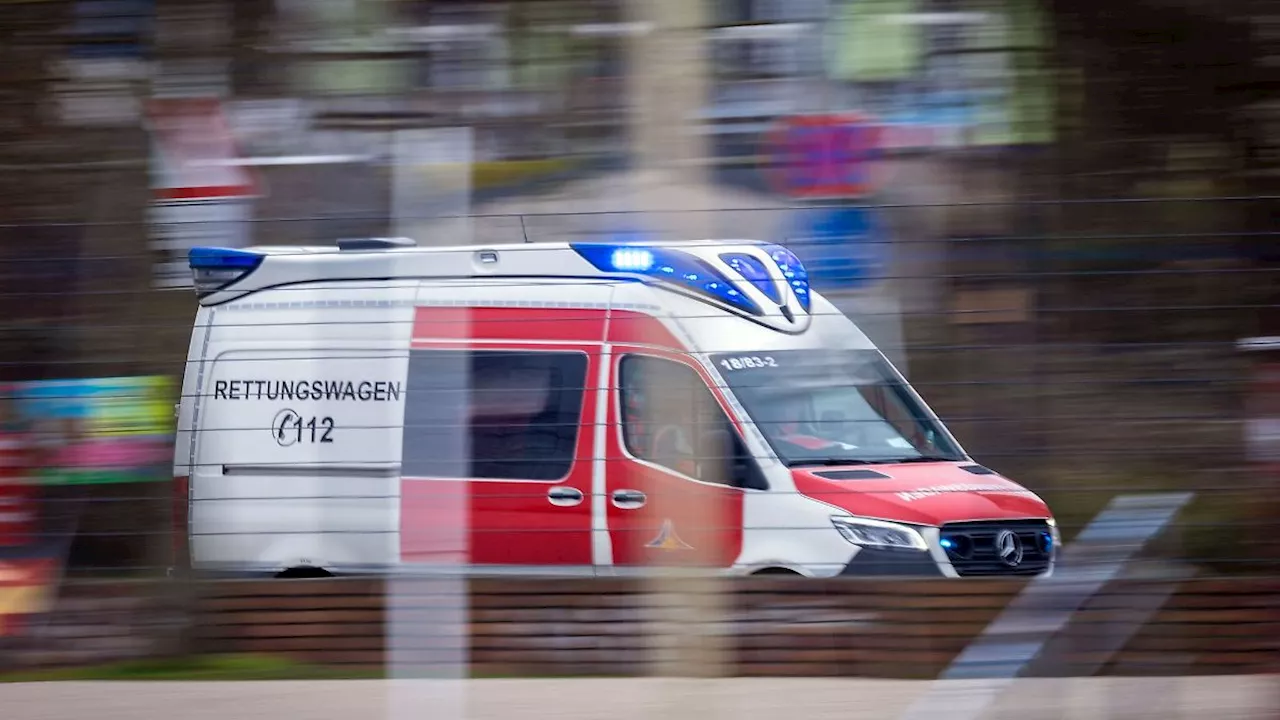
746, 362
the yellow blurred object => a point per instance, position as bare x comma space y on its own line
24, 590
495, 174
19, 600
142, 408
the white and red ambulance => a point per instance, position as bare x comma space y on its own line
352, 408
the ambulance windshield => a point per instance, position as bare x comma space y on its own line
834, 407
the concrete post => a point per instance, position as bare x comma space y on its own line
668, 86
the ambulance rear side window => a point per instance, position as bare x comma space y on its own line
493, 414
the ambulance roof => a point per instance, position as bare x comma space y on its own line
759, 281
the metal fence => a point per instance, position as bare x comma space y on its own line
1083, 373
1086, 297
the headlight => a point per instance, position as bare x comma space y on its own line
878, 533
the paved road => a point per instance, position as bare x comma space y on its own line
1221, 698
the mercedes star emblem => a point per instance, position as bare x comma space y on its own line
1009, 546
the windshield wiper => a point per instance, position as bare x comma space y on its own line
831, 462
835, 461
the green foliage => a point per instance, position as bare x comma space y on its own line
205, 667
1220, 531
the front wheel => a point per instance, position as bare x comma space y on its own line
777, 572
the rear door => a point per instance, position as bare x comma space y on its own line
295, 455
497, 464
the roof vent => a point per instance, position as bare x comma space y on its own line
375, 243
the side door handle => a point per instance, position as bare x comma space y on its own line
628, 499
564, 496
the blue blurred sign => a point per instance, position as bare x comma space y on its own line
841, 247
110, 29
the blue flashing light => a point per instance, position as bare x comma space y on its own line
755, 273
214, 268
210, 258
1046, 542
946, 543
668, 265
633, 259
793, 271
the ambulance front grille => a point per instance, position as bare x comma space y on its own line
998, 547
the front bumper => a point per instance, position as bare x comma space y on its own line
878, 562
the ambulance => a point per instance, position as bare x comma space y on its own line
581, 408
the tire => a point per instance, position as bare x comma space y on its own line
303, 573
777, 572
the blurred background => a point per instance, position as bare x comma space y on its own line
1058, 219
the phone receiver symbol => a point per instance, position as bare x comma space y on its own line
285, 421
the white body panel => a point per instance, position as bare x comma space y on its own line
257, 503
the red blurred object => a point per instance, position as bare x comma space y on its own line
824, 156
18, 501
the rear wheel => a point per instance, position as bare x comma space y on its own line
303, 573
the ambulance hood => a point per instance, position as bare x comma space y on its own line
924, 493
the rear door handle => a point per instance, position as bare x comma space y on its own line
564, 496
628, 499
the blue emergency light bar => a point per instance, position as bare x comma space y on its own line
214, 268
749, 267
793, 271
667, 265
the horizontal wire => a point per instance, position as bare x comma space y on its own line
479, 345
832, 295
1199, 384
167, 496
667, 211
1052, 492
560, 316
1162, 383
480, 532
962, 243
479, 569
844, 462
385, 530
504, 282
560, 313
1199, 380
402, 568
974, 275
993, 255
755, 419
459, 421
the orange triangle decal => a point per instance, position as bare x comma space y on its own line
667, 539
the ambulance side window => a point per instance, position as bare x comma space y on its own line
670, 418
493, 414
